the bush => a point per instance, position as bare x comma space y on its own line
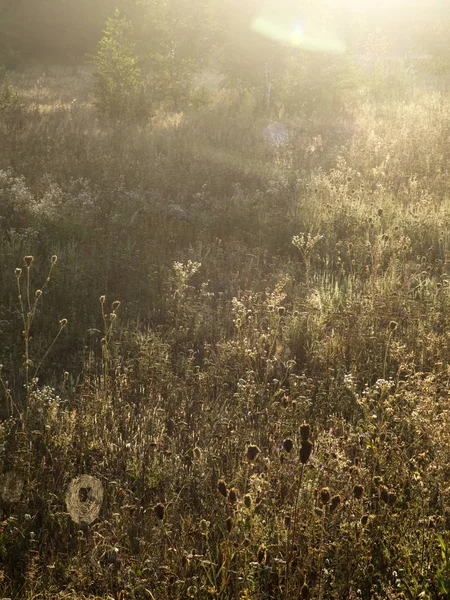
118, 78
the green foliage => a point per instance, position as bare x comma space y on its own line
118, 76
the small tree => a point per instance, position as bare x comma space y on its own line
118, 76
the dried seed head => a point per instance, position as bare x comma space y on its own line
232, 495
380, 212
115, 305
37, 294
28, 260
392, 498
384, 494
305, 431
18, 273
393, 325
222, 487
287, 521
198, 454
247, 500
63, 323
102, 299
358, 491
305, 451
159, 510
204, 526
288, 444
377, 480
364, 520
252, 452
261, 554
246, 543
229, 524
281, 311
54, 259
304, 592
325, 495
335, 501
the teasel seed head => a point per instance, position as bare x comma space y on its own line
198, 454
384, 494
392, 498
281, 311
115, 305
364, 520
222, 487
18, 273
305, 451
261, 554
288, 444
393, 325
102, 299
63, 323
335, 501
28, 260
304, 592
305, 431
54, 259
325, 495
252, 452
229, 524
37, 294
248, 501
232, 496
358, 491
159, 510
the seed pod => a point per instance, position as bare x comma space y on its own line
384, 494
261, 554
229, 524
305, 451
364, 520
358, 491
325, 495
305, 431
288, 444
159, 511
28, 260
335, 501
222, 487
392, 498
247, 500
232, 496
252, 452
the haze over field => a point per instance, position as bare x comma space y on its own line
224, 300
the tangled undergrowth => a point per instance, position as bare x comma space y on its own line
265, 413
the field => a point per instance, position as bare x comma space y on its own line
235, 325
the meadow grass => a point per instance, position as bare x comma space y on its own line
244, 340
